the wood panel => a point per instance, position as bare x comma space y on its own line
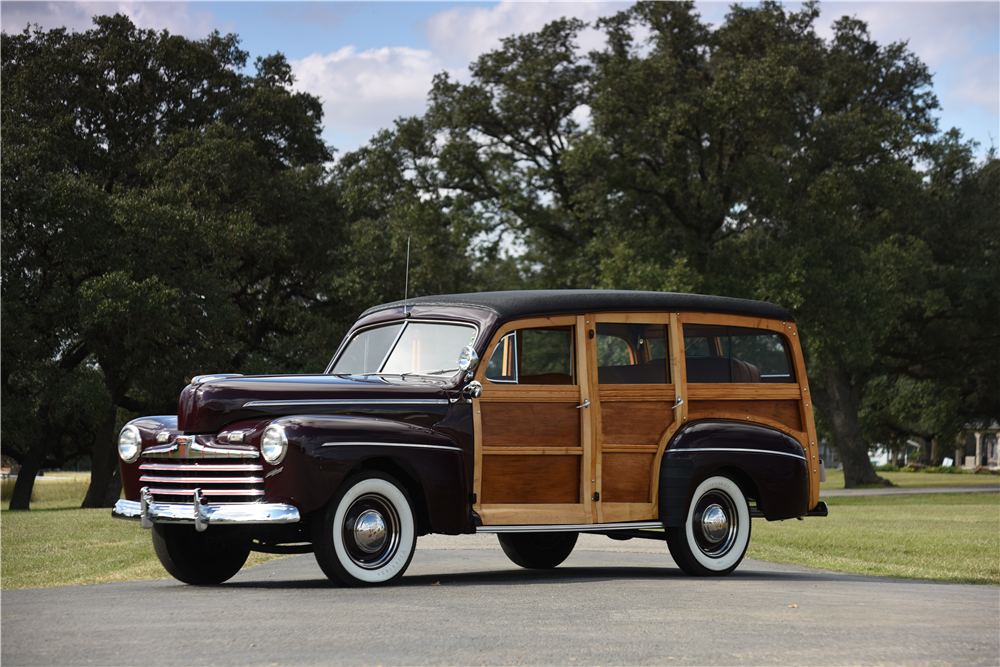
526, 515
531, 479
530, 424
625, 477
532, 451
735, 321
590, 416
634, 423
782, 412
636, 393
515, 393
617, 512
731, 392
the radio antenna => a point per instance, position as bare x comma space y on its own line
406, 282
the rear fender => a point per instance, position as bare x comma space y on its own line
770, 467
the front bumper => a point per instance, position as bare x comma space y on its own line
201, 515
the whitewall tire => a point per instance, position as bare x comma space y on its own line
367, 535
716, 530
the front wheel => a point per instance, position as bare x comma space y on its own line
367, 534
715, 533
537, 550
202, 559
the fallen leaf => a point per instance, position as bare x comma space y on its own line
793, 606
436, 583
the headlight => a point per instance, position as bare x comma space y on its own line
273, 444
129, 444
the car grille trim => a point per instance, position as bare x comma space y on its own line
208, 492
222, 483
155, 479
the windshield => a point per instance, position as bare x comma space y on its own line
420, 348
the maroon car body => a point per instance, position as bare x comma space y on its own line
353, 465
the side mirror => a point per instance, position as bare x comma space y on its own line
468, 360
471, 391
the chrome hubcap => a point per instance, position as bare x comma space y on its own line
714, 524
369, 531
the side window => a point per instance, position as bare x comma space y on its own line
631, 353
502, 367
533, 356
612, 350
723, 354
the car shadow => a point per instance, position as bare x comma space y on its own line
559, 575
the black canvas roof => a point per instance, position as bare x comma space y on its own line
529, 303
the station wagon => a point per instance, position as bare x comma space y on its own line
534, 415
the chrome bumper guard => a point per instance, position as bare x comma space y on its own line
821, 509
199, 514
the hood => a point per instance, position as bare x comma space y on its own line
209, 406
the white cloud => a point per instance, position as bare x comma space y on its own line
978, 84
958, 41
174, 17
362, 92
938, 32
461, 34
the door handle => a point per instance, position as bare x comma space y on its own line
585, 404
680, 402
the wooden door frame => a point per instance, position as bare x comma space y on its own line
534, 514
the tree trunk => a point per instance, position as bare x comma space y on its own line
937, 453
925, 451
33, 462
839, 401
104, 472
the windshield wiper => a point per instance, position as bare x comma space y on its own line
444, 370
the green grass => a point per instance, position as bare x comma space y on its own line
940, 537
57, 544
835, 479
46, 548
58, 490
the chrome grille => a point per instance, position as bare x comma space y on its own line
220, 482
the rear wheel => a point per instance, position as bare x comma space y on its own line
537, 550
204, 558
367, 534
715, 533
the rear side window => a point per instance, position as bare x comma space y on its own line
630, 353
724, 354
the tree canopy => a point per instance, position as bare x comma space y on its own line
169, 211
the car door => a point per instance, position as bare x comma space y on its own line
533, 425
637, 408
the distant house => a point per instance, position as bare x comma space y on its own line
980, 447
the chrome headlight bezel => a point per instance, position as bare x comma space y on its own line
129, 444
273, 444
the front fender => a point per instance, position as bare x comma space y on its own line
324, 449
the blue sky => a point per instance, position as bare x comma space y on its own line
372, 62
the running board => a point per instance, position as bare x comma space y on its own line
600, 528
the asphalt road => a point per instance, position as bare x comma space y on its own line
462, 602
